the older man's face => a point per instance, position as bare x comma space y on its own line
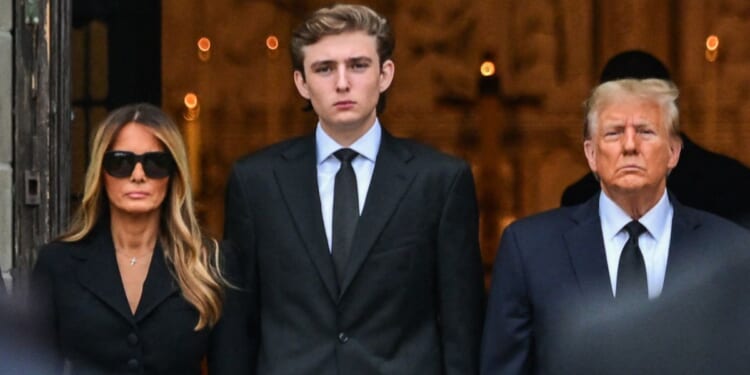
631, 149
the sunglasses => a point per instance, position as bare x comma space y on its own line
120, 164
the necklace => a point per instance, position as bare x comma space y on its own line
132, 260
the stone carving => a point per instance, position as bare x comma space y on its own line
434, 44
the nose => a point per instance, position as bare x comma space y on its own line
138, 173
342, 80
630, 139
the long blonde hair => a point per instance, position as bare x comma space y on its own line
194, 257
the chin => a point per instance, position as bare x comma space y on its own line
627, 187
138, 210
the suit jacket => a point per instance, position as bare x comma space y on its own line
551, 269
411, 299
700, 329
81, 310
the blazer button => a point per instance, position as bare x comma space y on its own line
343, 338
132, 339
133, 364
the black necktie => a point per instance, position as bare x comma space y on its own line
345, 211
631, 274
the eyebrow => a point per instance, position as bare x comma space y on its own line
351, 60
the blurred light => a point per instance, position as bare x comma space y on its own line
712, 43
487, 69
272, 42
191, 100
192, 107
204, 44
711, 56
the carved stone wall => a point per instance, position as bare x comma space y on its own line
522, 135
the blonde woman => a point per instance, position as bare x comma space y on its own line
134, 286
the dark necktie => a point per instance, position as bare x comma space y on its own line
631, 274
345, 211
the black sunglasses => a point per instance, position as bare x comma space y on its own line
120, 164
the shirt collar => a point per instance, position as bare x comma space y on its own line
613, 217
367, 145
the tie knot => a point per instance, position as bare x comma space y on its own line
345, 155
635, 229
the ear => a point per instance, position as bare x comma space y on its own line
299, 81
675, 147
386, 74
589, 149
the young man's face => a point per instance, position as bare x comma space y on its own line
343, 80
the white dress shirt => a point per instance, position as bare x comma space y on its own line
654, 243
328, 165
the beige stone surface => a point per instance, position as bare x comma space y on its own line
6, 96
6, 15
6, 218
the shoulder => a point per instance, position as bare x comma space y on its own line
710, 223
274, 151
548, 221
56, 251
433, 166
425, 154
60, 252
259, 165
56, 257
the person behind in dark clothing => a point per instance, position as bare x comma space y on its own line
703, 179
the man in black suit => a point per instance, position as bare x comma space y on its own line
360, 249
629, 244
703, 179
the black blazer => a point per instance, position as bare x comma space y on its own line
79, 303
411, 301
552, 268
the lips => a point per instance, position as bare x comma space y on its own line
344, 104
137, 194
631, 168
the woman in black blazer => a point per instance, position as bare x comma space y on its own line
134, 286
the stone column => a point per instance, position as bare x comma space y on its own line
6, 138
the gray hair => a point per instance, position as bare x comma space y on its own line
659, 91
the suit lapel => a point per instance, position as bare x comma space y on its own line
586, 247
296, 174
390, 180
159, 285
99, 273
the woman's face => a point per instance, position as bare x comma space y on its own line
136, 194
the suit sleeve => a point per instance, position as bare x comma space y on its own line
229, 348
507, 339
239, 230
460, 283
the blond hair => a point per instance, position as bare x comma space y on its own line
193, 256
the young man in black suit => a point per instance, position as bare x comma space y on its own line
360, 249
629, 244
